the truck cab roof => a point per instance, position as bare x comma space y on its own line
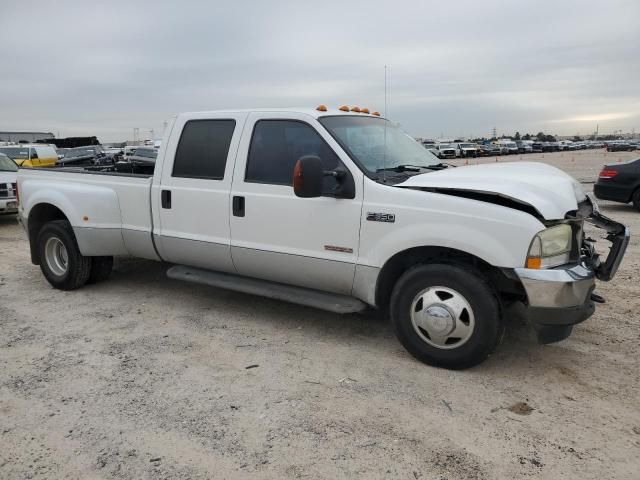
312, 112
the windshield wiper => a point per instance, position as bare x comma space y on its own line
402, 168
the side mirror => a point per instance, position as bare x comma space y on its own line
307, 177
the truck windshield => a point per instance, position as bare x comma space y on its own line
7, 165
376, 143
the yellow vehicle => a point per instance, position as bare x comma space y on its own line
33, 155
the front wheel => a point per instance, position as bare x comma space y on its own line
61, 262
446, 315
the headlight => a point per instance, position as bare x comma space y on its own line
550, 247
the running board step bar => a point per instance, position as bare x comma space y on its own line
302, 296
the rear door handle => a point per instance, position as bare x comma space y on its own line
165, 198
238, 206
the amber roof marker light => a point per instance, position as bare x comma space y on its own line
355, 109
364, 110
344, 108
321, 108
377, 114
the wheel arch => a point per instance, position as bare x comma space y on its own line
39, 215
402, 261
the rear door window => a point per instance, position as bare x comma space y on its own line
203, 149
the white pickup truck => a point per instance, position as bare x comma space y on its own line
338, 210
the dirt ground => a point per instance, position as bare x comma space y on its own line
145, 377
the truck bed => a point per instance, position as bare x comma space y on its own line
110, 212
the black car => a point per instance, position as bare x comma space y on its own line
537, 147
89, 155
489, 150
620, 182
142, 161
620, 147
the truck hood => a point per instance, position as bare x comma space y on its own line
543, 188
8, 177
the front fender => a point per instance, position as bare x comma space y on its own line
496, 234
500, 252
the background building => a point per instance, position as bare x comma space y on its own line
29, 137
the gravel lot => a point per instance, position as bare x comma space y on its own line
144, 377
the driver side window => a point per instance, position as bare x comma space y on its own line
276, 146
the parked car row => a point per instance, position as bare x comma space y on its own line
506, 146
469, 149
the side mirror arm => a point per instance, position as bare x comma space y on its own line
345, 187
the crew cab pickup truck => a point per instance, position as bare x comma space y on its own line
338, 210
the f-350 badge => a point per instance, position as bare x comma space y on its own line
381, 217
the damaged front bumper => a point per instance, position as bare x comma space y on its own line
558, 298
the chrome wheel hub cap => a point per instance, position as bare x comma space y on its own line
439, 320
442, 317
56, 256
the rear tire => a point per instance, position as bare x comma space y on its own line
100, 269
635, 198
446, 315
61, 262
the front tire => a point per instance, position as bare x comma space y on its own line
446, 315
61, 262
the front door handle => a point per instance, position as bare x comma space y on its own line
165, 198
238, 206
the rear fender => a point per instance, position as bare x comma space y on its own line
93, 212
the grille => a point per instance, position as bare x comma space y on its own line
7, 190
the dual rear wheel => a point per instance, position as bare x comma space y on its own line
61, 262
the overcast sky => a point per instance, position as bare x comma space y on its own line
457, 67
